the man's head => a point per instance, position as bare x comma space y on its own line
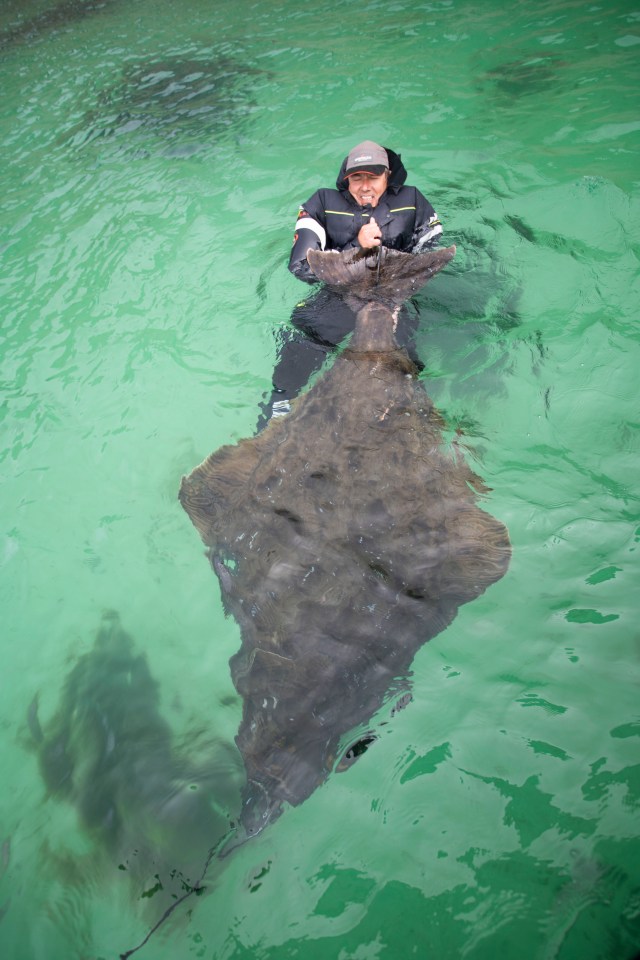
367, 172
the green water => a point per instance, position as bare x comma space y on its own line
144, 249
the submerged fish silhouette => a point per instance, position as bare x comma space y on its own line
344, 536
108, 751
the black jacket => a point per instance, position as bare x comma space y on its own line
331, 219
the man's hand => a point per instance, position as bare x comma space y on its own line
369, 235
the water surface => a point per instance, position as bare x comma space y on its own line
153, 160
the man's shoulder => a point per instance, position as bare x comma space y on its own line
410, 195
406, 190
324, 199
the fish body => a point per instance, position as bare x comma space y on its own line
344, 537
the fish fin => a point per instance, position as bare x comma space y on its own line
212, 490
389, 276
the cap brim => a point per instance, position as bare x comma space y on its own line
376, 169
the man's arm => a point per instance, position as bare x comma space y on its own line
310, 234
428, 229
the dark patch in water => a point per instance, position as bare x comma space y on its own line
522, 78
187, 104
48, 21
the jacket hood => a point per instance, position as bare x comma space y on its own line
397, 173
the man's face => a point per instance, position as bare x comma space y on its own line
366, 188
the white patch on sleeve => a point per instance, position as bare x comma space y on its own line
307, 223
430, 234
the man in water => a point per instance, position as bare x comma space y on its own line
371, 206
